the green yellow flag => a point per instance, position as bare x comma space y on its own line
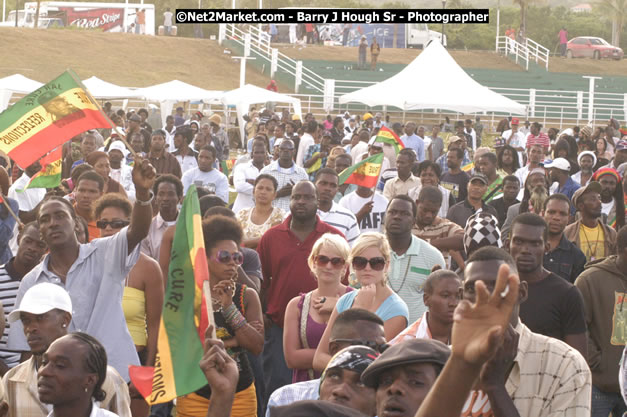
364, 173
50, 174
184, 319
386, 135
48, 117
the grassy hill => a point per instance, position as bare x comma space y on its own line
120, 58
466, 59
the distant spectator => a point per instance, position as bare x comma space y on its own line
167, 21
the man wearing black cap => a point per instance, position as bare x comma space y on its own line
403, 375
340, 382
352, 327
460, 212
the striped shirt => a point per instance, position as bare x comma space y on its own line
409, 271
284, 176
9, 284
549, 378
418, 330
439, 229
343, 220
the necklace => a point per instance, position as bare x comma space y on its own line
590, 252
404, 276
54, 270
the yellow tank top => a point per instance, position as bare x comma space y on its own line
134, 306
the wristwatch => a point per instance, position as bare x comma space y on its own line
147, 202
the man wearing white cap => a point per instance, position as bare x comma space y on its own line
587, 160
559, 172
121, 172
45, 313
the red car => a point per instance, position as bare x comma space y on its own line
591, 47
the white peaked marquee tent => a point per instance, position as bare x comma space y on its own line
242, 98
434, 81
15, 83
175, 91
105, 90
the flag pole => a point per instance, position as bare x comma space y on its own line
206, 292
113, 126
10, 210
378, 178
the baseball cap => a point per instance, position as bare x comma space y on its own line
537, 171
311, 408
592, 187
621, 145
134, 118
559, 163
479, 176
367, 116
42, 298
515, 121
405, 353
118, 145
454, 139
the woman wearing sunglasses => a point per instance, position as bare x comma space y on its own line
237, 315
370, 261
306, 316
142, 299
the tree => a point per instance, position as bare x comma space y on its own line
615, 11
524, 5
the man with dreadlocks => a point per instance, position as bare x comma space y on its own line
611, 196
45, 312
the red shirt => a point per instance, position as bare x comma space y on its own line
284, 265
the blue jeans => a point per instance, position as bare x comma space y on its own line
275, 371
605, 402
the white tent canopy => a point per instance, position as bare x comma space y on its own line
242, 98
175, 91
434, 81
15, 83
105, 90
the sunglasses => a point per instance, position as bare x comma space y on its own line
377, 264
322, 260
224, 257
357, 342
115, 224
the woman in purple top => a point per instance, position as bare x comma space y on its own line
307, 315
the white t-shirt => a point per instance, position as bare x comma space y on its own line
167, 19
373, 221
214, 180
305, 142
607, 207
518, 141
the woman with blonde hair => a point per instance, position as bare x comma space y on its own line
307, 315
370, 261
333, 153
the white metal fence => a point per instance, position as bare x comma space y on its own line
524, 52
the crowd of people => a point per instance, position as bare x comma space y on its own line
476, 278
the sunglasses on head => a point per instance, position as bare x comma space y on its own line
115, 224
224, 257
377, 263
322, 260
357, 342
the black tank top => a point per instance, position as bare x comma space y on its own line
224, 332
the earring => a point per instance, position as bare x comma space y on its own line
86, 389
64, 325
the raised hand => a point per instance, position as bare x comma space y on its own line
478, 328
219, 368
144, 174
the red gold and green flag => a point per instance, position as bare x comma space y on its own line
50, 174
184, 319
48, 117
386, 135
364, 173
227, 166
468, 167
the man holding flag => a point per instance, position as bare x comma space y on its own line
368, 206
92, 273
